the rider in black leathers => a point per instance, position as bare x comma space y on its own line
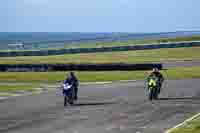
72, 80
156, 73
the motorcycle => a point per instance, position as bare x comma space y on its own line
68, 92
153, 87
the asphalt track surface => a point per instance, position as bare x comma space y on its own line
104, 108
187, 63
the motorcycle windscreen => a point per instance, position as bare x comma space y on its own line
66, 86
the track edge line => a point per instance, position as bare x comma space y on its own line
183, 123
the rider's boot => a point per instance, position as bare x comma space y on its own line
75, 97
76, 93
158, 92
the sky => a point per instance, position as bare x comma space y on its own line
99, 15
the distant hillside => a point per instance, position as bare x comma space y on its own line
43, 40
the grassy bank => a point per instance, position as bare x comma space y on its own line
111, 57
36, 77
118, 43
190, 127
134, 42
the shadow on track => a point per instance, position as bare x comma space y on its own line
179, 98
93, 104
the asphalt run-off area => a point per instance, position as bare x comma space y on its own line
119, 107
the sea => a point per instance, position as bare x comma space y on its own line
42, 40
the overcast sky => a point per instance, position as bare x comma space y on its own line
99, 15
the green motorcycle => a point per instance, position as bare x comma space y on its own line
153, 87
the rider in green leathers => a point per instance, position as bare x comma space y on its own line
155, 72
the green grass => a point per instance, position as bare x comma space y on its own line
190, 127
33, 80
11, 88
38, 77
140, 56
133, 42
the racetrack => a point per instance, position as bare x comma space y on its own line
186, 63
104, 108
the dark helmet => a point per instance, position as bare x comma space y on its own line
72, 74
155, 69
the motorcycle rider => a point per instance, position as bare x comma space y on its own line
155, 72
72, 80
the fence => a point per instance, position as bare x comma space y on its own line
75, 67
102, 49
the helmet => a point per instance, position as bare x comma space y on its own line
155, 69
72, 74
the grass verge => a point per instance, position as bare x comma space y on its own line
190, 127
32, 80
36, 77
12, 88
140, 56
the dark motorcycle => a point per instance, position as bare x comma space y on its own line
153, 87
68, 93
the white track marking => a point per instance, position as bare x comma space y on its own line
183, 123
